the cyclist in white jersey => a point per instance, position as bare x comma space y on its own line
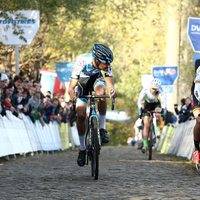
151, 94
87, 74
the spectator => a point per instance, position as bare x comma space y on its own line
47, 110
71, 118
23, 104
186, 110
169, 118
4, 80
6, 100
25, 83
19, 95
29, 85
35, 83
61, 99
48, 96
55, 116
66, 111
138, 127
17, 84
55, 96
179, 113
39, 113
49, 93
38, 88
32, 91
33, 103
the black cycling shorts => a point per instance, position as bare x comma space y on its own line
86, 83
151, 107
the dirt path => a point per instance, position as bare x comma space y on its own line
125, 173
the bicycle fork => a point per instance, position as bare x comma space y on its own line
89, 147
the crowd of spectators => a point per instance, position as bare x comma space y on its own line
24, 96
185, 111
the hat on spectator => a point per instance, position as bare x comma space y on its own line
61, 96
26, 80
48, 96
10, 85
4, 77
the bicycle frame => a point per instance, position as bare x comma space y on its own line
93, 114
151, 132
92, 139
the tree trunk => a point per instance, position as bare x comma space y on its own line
172, 49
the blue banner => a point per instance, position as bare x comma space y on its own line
194, 33
64, 71
47, 82
167, 75
195, 57
167, 88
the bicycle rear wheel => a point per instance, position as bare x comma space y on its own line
95, 149
151, 129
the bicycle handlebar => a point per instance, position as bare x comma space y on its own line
149, 112
95, 96
152, 112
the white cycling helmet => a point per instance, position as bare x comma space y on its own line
155, 83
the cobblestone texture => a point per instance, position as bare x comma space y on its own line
125, 173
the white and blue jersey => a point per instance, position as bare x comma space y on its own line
150, 98
84, 68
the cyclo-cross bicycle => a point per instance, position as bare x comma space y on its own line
151, 134
93, 140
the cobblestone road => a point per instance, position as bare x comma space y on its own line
125, 173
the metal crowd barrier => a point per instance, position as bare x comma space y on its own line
178, 139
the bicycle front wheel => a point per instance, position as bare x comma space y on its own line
151, 129
95, 149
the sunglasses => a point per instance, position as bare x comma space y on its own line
154, 89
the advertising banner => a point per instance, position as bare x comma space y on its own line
115, 116
54, 85
64, 70
167, 75
195, 57
26, 20
194, 33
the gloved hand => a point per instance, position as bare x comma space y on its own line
164, 112
140, 111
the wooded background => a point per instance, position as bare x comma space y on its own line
141, 34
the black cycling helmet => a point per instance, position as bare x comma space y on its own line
102, 53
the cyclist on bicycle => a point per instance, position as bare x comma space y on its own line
195, 90
151, 94
87, 74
